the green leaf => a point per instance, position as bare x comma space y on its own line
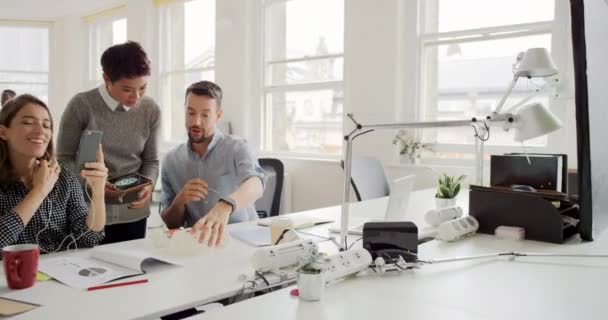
444, 191
456, 190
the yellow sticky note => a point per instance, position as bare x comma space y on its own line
42, 277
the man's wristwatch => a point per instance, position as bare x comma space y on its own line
229, 201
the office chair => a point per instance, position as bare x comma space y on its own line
269, 204
368, 178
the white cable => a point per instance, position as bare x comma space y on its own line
48, 221
75, 241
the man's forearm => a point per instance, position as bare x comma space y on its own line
248, 192
174, 215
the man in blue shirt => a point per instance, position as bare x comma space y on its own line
212, 179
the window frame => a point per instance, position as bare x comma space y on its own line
167, 74
30, 24
266, 88
94, 24
426, 96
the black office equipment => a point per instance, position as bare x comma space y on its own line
540, 171
390, 240
545, 216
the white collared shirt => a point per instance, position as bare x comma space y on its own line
107, 98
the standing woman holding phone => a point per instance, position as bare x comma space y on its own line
130, 123
39, 202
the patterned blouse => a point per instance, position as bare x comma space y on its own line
58, 224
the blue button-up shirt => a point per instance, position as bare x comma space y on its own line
228, 162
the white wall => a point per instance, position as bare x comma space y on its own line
380, 82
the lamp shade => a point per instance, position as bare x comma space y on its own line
534, 120
536, 62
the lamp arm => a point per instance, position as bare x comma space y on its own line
506, 95
347, 156
513, 109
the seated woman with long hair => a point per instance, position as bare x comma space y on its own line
39, 202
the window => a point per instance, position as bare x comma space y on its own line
106, 29
303, 72
187, 55
24, 59
468, 49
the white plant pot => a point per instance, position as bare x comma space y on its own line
441, 203
311, 286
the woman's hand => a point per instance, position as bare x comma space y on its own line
96, 174
45, 176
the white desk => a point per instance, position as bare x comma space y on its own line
498, 288
526, 288
531, 288
207, 277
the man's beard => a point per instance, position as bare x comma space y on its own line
203, 139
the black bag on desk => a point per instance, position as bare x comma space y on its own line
536, 212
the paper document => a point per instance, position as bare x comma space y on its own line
103, 265
299, 222
253, 235
10, 307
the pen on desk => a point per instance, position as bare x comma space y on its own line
120, 284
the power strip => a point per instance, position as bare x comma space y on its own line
283, 255
344, 264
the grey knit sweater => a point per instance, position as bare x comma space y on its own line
130, 142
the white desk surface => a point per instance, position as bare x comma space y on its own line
496, 288
209, 276
527, 288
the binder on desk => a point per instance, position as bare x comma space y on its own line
545, 215
541, 171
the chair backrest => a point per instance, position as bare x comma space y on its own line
269, 204
368, 178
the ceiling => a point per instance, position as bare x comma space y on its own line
48, 10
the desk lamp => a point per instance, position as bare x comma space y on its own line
528, 121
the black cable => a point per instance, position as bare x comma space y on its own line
281, 236
480, 137
362, 133
263, 278
351, 245
345, 243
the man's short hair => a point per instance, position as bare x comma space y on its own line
207, 88
126, 60
7, 94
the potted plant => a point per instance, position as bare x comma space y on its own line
311, 283
447, 190
408, 147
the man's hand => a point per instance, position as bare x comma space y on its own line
193, 190
211, 226
143, 198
